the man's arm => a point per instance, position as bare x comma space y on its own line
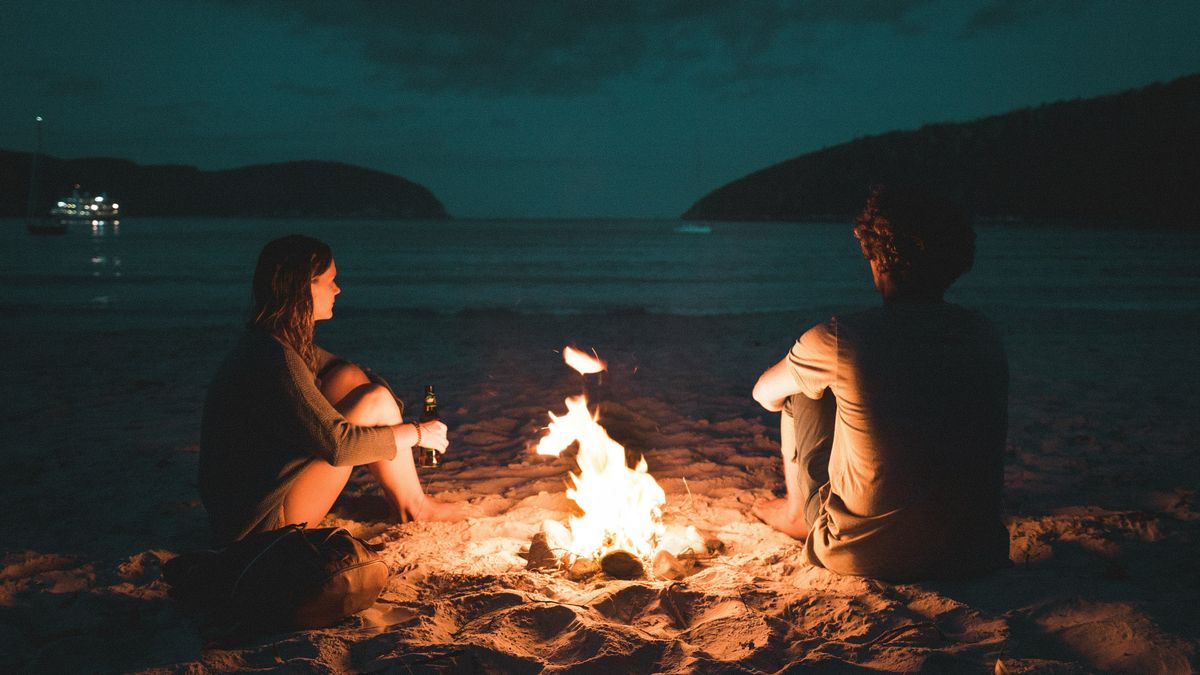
775, 385
808, 369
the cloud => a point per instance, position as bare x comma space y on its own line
568, 47
172, 109
57, 83
749, 70
503, 122
174, 115
997, 14
357, 112
306, 90
749, 79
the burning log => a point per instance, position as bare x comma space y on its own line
583, 568
690, 551
667, 566
539, 556
622, 565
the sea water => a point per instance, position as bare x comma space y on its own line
155, 270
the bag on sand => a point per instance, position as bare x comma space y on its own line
292, 578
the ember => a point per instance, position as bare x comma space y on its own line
586, 365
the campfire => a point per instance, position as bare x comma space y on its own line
621, 528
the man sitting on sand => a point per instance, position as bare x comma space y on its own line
894, 418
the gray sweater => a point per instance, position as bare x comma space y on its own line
264, 421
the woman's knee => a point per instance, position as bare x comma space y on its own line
381, 397
341, 380
371, 405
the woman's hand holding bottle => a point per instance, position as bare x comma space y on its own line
433, 435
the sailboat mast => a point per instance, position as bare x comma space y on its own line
33, 172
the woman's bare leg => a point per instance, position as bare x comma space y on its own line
313, 493
320, 483
373, 405
399, 480
364, 403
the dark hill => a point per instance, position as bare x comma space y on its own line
307, 188
1131, 156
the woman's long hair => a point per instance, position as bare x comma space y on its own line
283, 304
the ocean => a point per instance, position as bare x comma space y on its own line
153, 271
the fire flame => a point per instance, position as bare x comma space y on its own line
622, 507
582, 362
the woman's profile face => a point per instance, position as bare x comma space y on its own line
323, 290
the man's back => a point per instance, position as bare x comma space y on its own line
916, 469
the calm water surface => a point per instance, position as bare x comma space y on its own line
172, 269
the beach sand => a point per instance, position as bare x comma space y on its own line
99, 488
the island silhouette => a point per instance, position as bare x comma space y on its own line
1129, 157
302, 188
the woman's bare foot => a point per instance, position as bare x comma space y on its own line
778, 514
429, 509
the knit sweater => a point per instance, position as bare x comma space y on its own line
264, 421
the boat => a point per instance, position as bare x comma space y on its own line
79, 207
691, 228
84, 207
98, 211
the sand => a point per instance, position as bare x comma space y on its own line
99, 489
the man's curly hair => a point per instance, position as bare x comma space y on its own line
922, 241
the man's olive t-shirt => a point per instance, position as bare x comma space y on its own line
916, 470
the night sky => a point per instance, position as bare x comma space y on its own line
553, 109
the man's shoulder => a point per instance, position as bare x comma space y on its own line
820, 331
912, 311
861, 314
918, 321
827, 331
857, 317
969, 316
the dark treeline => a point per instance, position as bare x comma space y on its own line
1133, 157
307, 188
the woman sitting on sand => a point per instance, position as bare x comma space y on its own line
285, 421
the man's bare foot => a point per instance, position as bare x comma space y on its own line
777, 514
429, 509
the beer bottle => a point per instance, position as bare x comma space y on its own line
428, 457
